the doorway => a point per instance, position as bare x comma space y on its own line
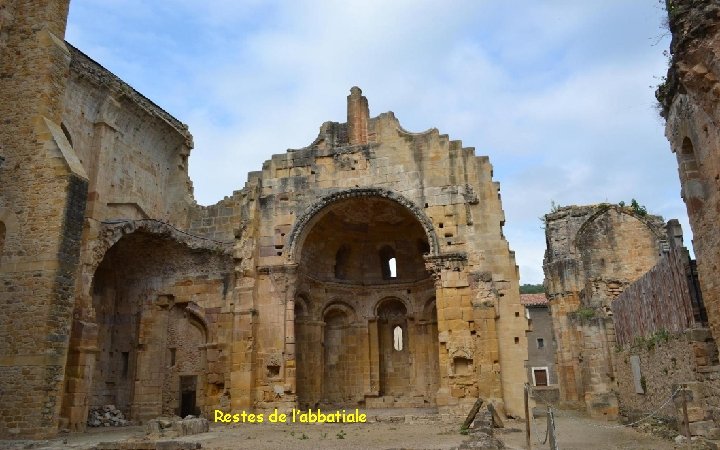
188, 395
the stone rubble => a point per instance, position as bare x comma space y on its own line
176, 426
106, 416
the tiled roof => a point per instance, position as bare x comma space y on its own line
533, 299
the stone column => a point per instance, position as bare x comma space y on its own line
242, 375
78, 373
374, 343
290, 360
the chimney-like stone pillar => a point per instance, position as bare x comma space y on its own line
358, 114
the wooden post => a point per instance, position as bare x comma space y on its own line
527, 418
473, 412
497, 421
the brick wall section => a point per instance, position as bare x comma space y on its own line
690, 101
659, 300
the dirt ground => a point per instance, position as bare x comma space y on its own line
578, 432
574, 431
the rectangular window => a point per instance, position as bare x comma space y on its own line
540, 377
172, 357
540, 342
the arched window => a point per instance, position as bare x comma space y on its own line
693, 189
688, 161
398, 338
388, 263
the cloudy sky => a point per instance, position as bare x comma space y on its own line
558, 93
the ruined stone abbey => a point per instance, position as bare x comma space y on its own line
368, 269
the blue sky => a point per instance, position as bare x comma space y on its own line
559, 94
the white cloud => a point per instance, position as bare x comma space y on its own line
556, 93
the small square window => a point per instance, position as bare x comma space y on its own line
540, 343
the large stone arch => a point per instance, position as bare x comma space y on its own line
112, 231
616, 245
130, 278
652, 227
345, 351
312, 213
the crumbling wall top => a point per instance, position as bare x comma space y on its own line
90, 69
692, 24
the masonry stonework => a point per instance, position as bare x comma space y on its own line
689, 103
368, 269
593, 252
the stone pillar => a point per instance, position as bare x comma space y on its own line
374, 344
78, 373
104, 136
290, 359
44, 184
358, 115
242, 373
572, 391
150, 364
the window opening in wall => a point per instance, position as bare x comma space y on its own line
540, 377
188, 395
517, 340
388, 263
273, 371
172, 357
398, 338
462, 366
125, 364
540, 343
342, 258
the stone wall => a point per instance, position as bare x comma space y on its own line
106, 259
689, 103
593, 253
159, 310
135, 157
452, 199
42, 202
135, 154
670, 366
664, 299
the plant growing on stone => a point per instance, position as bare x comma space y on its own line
585, 313
637, 208
341, 435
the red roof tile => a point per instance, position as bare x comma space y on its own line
533, 299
